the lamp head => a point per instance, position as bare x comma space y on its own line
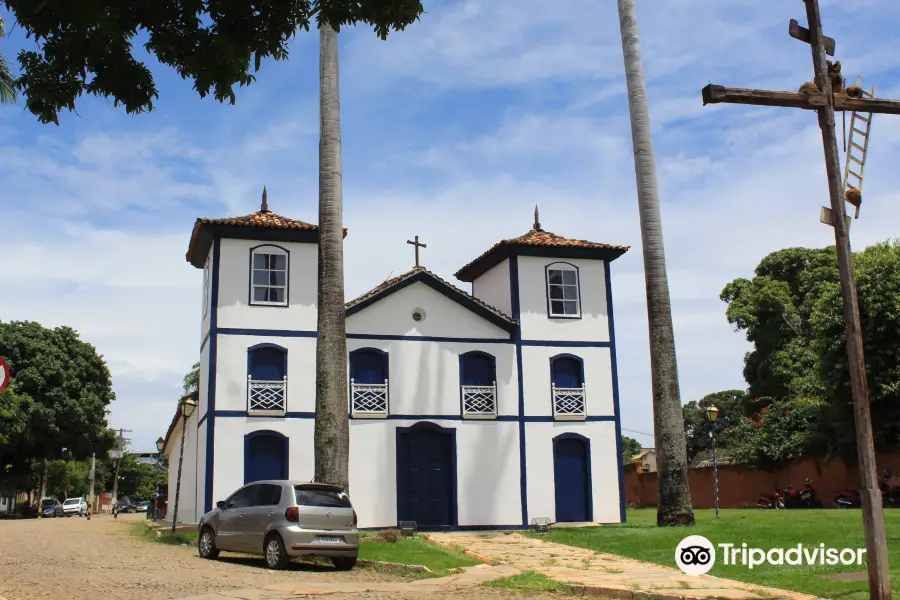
188, 407
160, 444
712, 413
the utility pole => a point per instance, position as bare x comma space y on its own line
118, 456
91, 492
825, 100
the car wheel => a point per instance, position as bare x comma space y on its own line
276, 556
344, 563
207, 544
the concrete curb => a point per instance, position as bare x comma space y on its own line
393, 566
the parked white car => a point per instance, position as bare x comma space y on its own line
75, 506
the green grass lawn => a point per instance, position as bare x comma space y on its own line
166, 536
641, 539
413, 551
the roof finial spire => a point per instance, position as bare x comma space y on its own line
537, 219
265, 201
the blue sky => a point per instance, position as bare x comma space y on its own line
453, 130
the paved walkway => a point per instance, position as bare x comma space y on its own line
469, 577
602, 574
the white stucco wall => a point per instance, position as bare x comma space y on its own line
424, 376
234, 310
604, 467
593, 326
443, 317
187, 502
493, 287
229, 449
203, 383
597, 378
231, 371
205, 314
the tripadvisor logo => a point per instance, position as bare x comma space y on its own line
696, 555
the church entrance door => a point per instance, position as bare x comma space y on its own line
572, 475
426, 476
265, 456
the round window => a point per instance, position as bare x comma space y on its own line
418, 315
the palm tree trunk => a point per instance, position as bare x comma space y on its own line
332, 429
674, 492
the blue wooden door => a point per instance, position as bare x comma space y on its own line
426, 490
477, 369
567, 373
367, 367
265, 457
267, 364
572, 481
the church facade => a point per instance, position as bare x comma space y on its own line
481, 409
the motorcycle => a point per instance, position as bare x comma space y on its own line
805, 497
890, 494
775, 500
847, 499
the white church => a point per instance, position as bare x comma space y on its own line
468, 410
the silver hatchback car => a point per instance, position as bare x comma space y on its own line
283, 519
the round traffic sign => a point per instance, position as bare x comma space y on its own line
4, 374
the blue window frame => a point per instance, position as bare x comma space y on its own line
269, 269
563, 291
369, 382
267, 379
478, 384
569, 396
567, 371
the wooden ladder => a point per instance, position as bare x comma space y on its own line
858, 146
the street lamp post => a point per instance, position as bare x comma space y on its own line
712, 413
160, 446
187, 409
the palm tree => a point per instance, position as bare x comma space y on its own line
7, 81
332, 429
674, 493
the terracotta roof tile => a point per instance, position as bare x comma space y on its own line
265, 219
416, 270
537, 238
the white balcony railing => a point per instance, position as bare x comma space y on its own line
266, 397
479, 401
369, 399
569, 403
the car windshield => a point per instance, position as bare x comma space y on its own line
72, 501
48, 502
321, 497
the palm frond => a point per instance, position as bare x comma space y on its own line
7, 83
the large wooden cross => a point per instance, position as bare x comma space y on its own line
825, 101
418, 245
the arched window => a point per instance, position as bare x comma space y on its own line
568, 388
269, 276
478, 384
563, 291
266, 379
369, 382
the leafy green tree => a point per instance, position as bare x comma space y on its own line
191, 382
57, 397
68, 478
630, 448
732, 405
137, 479
782, 430
7, 80
217, 45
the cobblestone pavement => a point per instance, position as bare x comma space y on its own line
76, 559
616, 576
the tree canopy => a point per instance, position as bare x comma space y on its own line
88, 47
792, 313
57, 397
697, 427
630, 448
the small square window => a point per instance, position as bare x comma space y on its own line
269, 277
562, 291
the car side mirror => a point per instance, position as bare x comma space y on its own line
220, 504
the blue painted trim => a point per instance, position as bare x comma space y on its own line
517, 337
211, 381
575, 357
451, 431
453, 417
282, 349
615, 385
287, 278
203, 343
266, 332
590, 473
202, 419
414, 338
564, 344
577, 291
268, 433
385, 359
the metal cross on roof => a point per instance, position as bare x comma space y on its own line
417, 245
